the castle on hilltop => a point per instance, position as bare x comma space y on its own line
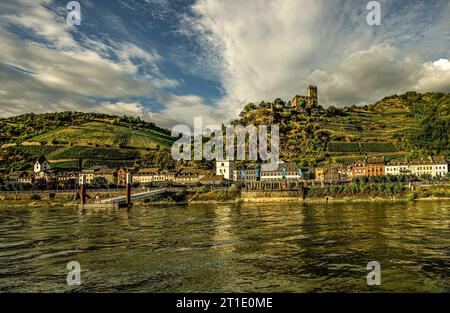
308, 101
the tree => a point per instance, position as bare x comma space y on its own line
99, 182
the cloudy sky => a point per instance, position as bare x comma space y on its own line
172, 60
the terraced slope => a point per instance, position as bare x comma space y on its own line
106, 134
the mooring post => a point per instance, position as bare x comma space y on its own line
129, 180
83, 181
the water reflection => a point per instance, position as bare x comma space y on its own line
289, 248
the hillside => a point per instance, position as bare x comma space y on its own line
396, 126
65, 137
411, 124
105, 133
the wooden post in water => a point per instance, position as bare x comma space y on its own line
129, 180
83, 182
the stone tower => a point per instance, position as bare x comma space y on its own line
312, 95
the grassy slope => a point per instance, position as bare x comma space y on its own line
78, 135
104, 133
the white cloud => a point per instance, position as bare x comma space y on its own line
51, 71
379, 71
258, 49
118, 108
435, 76
276, 48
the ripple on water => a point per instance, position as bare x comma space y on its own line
292, 248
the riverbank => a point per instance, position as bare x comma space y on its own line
293, 200
369, 193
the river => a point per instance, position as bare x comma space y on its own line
228, 248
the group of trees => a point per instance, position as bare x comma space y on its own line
40, 184
384, 179
433, 118
358, 188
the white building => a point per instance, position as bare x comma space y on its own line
225, 168
440, 166
421, 166
284, 171
252, 173
397, 167
433, 166
41, 165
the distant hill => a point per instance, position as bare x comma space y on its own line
405, 102
66, 136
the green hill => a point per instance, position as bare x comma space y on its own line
67, 136
105, 133
395, 126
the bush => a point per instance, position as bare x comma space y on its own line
35, 197
135, 184
203, 189
412, 196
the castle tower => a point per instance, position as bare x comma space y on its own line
312, 95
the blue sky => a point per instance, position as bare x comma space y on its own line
171, 61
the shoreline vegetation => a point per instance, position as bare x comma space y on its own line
40, 204
235, 196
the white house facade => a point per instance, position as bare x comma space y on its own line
41, 165
225, 168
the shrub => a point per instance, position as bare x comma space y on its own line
35, 197
203, 189
412, 196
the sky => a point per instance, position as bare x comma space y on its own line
169, 61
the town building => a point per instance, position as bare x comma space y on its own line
359, 169
421, 166
225, 168
122, 174
41, 165
20, 177
440, 166
251, 173
61, 175
283, 171
331, 172
148, 175
110, 175
368, 167
211, 179
190, 175
433, 166
375, 166
397, 167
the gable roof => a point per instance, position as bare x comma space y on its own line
41, 159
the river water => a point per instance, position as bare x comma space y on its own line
228, 248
